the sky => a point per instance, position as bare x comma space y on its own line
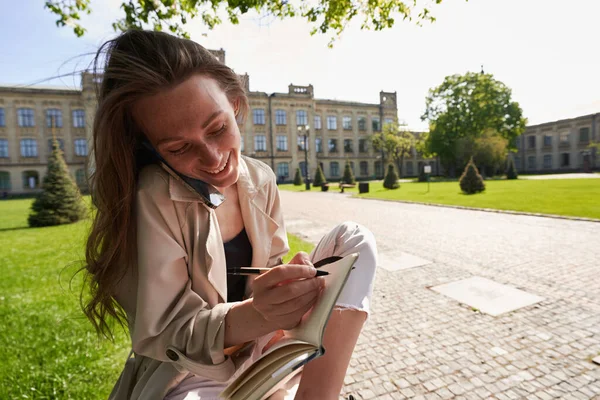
546, 51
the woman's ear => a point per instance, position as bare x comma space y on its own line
236, 110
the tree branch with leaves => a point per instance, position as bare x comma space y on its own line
326, 16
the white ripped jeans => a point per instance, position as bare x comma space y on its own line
344, 239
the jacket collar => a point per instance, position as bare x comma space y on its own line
248, 182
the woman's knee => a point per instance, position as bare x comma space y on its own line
354, 236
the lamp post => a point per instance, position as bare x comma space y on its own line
306, 130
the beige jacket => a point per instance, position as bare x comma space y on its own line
175, 296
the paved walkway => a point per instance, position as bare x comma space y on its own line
423, 345
561, 176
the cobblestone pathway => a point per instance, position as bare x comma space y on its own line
420, 344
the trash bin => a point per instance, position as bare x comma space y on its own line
324, 187
363, 187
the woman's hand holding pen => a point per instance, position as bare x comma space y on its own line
285, 293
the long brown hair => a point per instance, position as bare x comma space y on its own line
133, 65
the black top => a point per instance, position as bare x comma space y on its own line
238, 253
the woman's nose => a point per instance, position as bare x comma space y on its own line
209, 155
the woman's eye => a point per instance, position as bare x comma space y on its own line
221, 130
179, 151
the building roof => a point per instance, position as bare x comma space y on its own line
48, 89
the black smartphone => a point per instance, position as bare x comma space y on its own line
209, 194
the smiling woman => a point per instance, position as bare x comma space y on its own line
166, 144
193, 126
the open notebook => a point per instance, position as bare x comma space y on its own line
300, 345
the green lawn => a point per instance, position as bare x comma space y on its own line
48, 349
570, 197
333, 187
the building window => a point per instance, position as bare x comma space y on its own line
31, 179
28, 148
362, 124
61, 145
364, 168
378, 169
565, 160
301, 118
283, 170
302, 167
3, 148
331, 122
54, 114
517, 162
4, 180
334, 169
260, 143
280, 117
25, 117
531, 142
409, 168
318, 122
318, 145
81, 147
333, 146
80, 178
2, 120
301, 143
547, 161
78, 119
564, 138
347, 123
282, 143
258, 115
547, 140
375, 123
389, 121
584, 135
348, 146
531, 162
362, 145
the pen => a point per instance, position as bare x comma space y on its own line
258, 271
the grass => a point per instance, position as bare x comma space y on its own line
48, 349
333, 187
567, 197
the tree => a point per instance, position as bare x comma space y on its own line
391, 178
319, 177
60, 201
465, 107
488, 151
326, 16
470, 181
348, 175
298, 178
397, 142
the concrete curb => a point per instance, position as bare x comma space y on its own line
530, 214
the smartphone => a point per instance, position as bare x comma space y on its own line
209, 194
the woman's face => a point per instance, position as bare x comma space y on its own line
193, 127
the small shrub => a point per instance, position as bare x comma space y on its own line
319, 177
391, 178
348, 175
471, 181
298, 178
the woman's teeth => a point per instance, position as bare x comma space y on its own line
218, 170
